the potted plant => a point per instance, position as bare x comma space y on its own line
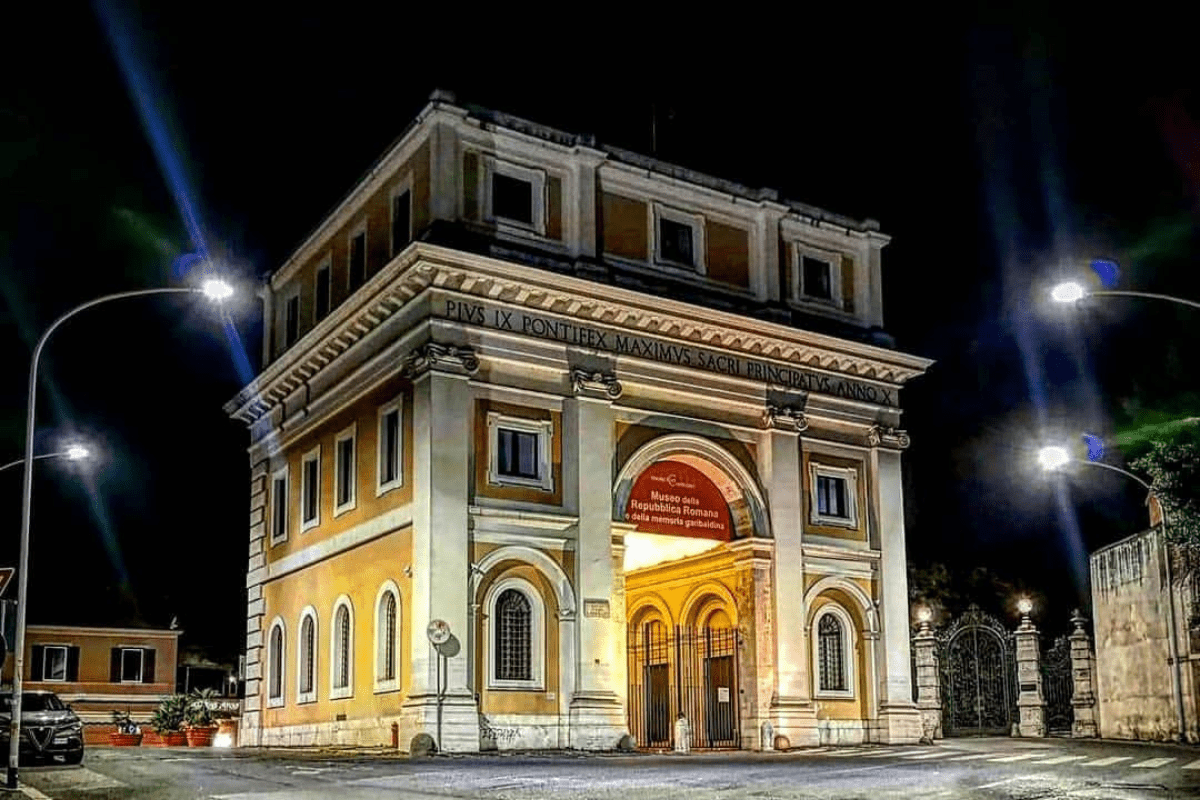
167, 723
201, 724
127, 734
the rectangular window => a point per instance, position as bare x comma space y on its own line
131, 665
310, 489
512, 198
389, 448
321, 306
401, 221
291, 324
358, 259
818, 278
831, 496
279, 506
54, 664
344, 466
518, 454
675, 242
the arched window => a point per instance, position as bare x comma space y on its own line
514, 619
306, 664
833, 653
387, 638
275, 665
341, 658
515, 633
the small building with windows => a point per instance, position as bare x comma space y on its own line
99, 670
626, 435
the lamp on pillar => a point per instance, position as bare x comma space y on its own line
1025, 606
929, 695
1031, 703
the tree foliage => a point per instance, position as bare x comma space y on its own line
1172, 466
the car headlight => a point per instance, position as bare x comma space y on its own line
72, 727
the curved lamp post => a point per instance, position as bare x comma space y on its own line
73, 452
213, 289
1073, 292
1053, 458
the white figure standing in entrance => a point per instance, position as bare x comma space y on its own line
683, 735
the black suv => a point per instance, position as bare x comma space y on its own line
49, 728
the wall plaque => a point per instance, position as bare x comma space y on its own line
595, 608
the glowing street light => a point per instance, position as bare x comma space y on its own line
1068, 292
924, 614
1025, 605
1053, 457
212, 288
75, 452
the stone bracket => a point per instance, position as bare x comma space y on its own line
785, 418
440, 358
603, 386
894, 438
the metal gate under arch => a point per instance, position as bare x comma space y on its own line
978, 676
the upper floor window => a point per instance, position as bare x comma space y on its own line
389, 445
279, 505
310, 489
321, 303
520, 451
832, 498
357, 266
275, 665
401, 220
291, 321
514, 197
54, 662
678, 239
817, 277
132, 665
345, 472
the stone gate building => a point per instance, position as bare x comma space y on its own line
631, 432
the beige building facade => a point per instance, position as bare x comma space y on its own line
631, 433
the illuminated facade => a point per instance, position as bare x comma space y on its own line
629, 430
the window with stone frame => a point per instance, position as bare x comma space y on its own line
343, 648
308, 661
513, 640
832, 656
275, 666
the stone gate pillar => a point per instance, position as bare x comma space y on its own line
929, 694
1083, 680
1031, 703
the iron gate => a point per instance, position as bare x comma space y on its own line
978, 676
691, 672
1058, 687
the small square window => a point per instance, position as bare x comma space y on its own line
675, 242
291, 325
310, 489
520, 451
512, 198
54, 664
833, 496
358, 260
818, 278
321, 305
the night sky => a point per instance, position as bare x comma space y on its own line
993, 147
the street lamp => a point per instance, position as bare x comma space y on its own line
1069, 292
75, 452
212, 288
1054, 458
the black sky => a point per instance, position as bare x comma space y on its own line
991, 145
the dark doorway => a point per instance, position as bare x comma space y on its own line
658, 705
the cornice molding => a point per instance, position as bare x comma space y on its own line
596, 384
892, 438
423, 266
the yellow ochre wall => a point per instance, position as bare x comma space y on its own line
838, 708
357, 573
674, 582
858, 533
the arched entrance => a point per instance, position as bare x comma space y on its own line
979, 673
686, 504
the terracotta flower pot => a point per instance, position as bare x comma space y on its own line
200, 737
124, 739
151, 738
168, 739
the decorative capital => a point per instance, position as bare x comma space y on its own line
895, 438
441, 358
596, 384
785, 418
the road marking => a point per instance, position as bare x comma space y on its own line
888, 753
77, 779
32, 792
935, 754
1006, 780
1152, 763
1194, 765
1106, 762
1059, 760
1018, 757
855, 751
974, 757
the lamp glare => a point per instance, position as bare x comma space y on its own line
1053, 457
1068, 292
1025, 605
76, 452
215, 289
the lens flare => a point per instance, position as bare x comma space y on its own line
1053, 457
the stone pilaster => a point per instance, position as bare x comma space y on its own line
899, 718
929, 688
1083, 679
1031, 703
597, 720
250, 729
442, 430
792, 711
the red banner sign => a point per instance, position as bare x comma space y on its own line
673, 498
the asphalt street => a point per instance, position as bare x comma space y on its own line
975, 768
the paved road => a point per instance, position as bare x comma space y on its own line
981, 768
